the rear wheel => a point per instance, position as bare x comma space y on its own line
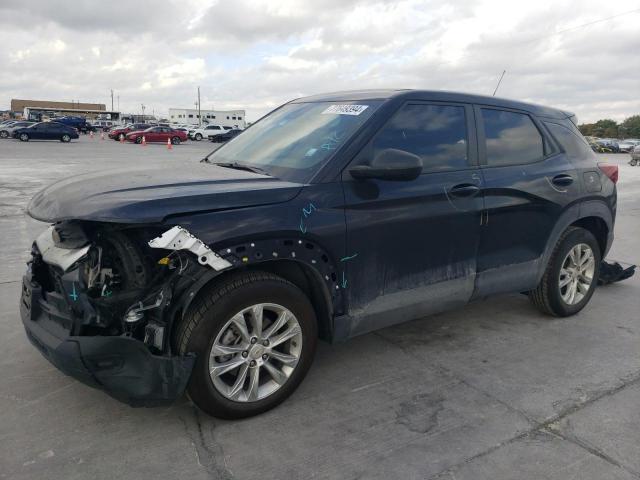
65, 138
571, 275
175, 140
254, 336
24, 137
138, 140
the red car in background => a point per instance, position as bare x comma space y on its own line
157, 134
116, 133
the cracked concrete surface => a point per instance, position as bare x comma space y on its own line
491, 391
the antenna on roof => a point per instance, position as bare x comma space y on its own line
499, 81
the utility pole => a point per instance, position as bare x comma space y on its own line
199, 115
112, 99
118, 103
142, 104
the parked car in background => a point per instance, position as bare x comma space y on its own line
199, 133
157, 134
225, 136
609, 143
7, 130
332, 216
46, 131
121, 132
104, 125
628, 144
79, 123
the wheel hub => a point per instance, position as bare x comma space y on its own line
255, 352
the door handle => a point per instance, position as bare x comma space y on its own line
562, 180
464, 190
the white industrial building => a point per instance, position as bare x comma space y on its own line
224, 118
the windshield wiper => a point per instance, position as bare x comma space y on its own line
240, 166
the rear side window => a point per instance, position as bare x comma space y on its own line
436, 133
511, 138
572, 143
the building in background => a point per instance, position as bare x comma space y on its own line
227, 118
39, 110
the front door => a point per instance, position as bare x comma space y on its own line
411, 245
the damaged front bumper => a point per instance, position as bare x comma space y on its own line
95, 338
121, 366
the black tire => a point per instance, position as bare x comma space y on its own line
4, 134
198, 137
208, 315
547, 295
138, 140
65, 138
175, 140
24, 137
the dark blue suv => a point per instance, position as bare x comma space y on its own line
332, 216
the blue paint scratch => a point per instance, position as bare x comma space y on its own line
73, 294
344, 280
307, 211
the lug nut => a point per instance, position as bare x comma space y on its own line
265, 343
253, 363
265, 356
245, 353
253, 340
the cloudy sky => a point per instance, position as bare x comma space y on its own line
257, 54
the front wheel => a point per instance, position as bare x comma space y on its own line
4, 134
138, 140
198, 137
24, 137
175, 140
65, 138
254, 337
571, 275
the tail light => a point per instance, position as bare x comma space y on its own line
610, 171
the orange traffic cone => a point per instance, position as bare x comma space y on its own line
169, 146
144, 141
121, 138
91, 134
102, 136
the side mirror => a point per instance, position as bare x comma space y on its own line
390, 164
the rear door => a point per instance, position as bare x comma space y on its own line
528, 183
411, 245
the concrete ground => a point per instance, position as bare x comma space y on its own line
492, 391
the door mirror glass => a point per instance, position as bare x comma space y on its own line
390, 164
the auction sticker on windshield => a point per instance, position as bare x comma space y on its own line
346, 109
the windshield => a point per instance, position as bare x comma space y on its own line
295, 141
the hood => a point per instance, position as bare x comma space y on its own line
152, 194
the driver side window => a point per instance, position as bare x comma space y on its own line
435, 133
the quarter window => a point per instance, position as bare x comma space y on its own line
511, 138
436, 133
572, 143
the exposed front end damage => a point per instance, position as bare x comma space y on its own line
99, 301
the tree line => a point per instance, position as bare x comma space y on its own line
607, 128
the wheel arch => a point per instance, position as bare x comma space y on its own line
302, 263
593, 215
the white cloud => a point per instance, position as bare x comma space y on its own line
258, 54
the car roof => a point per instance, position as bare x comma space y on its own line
435, 95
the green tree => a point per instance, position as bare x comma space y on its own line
630, 128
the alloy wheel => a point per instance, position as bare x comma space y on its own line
255, 352
576, 274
